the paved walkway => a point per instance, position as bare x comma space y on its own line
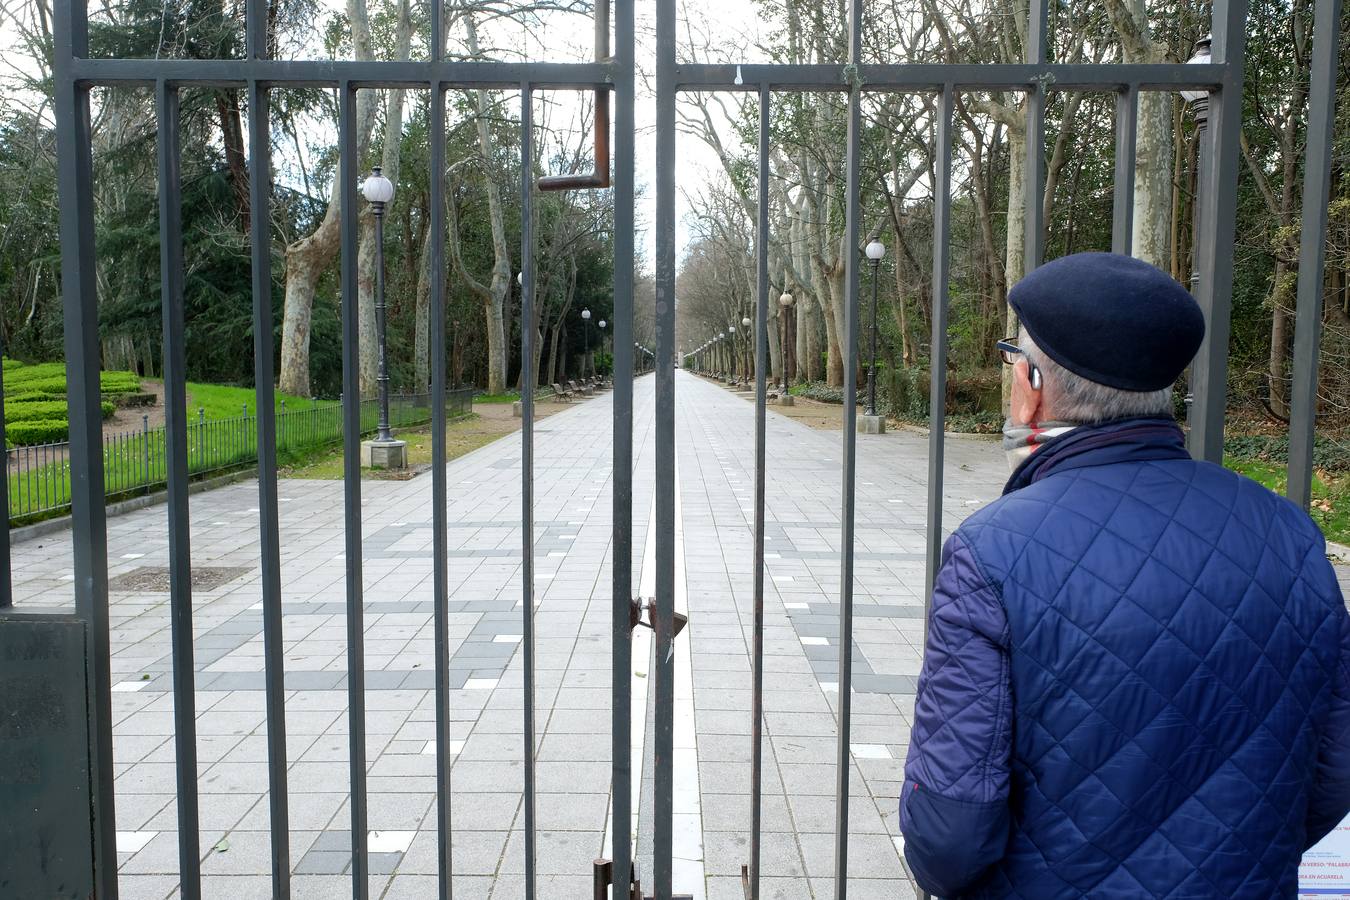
573, 503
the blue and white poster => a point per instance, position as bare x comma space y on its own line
1325, 870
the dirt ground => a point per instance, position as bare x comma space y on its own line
489, 422
129, 419
821, 416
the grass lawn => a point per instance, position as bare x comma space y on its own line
224, 402
1331, 493
464, 435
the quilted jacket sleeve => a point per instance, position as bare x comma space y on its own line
954, 804
1330, 797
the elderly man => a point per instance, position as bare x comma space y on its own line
1137, 677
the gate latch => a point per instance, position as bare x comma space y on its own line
643, 612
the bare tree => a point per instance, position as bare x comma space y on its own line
310, 257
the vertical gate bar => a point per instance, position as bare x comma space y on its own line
1122, 207
439, 513
664, 438
175, 436
761, 416
1312, 252
6, 582
621, 662
269, 527
849, 345
1034, 179
351, 490
79, 298
527, 465
937, 369
437, 35
1218, 214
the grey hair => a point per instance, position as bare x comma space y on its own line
1072, 398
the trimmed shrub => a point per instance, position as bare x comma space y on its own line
131, 400
35, 410
31, 397
41, 431
40, 410
119, 383
56, 387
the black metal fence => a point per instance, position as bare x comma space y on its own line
135, 462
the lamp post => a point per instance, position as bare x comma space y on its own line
733, 363
1198, 101
586, 334
785, 304
601, 324
378, 191
875, 250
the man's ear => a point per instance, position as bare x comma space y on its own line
1026, 400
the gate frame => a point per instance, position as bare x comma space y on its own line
75, 75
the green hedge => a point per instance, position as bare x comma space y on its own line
133, 399
50, 378
44, 410
34, 410
41, 431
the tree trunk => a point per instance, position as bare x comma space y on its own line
773, 324
1280, 297
493, 305
308, 258
550, 372
368, 256
1153, 179
834, 328
808, 348
1014, 266
232, 137
422, 318
1153, 148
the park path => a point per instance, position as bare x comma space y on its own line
715, 479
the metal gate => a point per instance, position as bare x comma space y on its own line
77, 73
1221, 78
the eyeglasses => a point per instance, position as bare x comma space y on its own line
1010, 352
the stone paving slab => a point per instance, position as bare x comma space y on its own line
572, 695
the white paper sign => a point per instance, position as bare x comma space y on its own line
1325, 870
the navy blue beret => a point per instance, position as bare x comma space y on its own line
1112, 319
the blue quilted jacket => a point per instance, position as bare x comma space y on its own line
1136, 684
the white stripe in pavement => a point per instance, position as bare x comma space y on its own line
688, 811
687, 851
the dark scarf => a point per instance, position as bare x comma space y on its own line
1124, 440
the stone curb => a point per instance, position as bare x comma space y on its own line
52, 526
